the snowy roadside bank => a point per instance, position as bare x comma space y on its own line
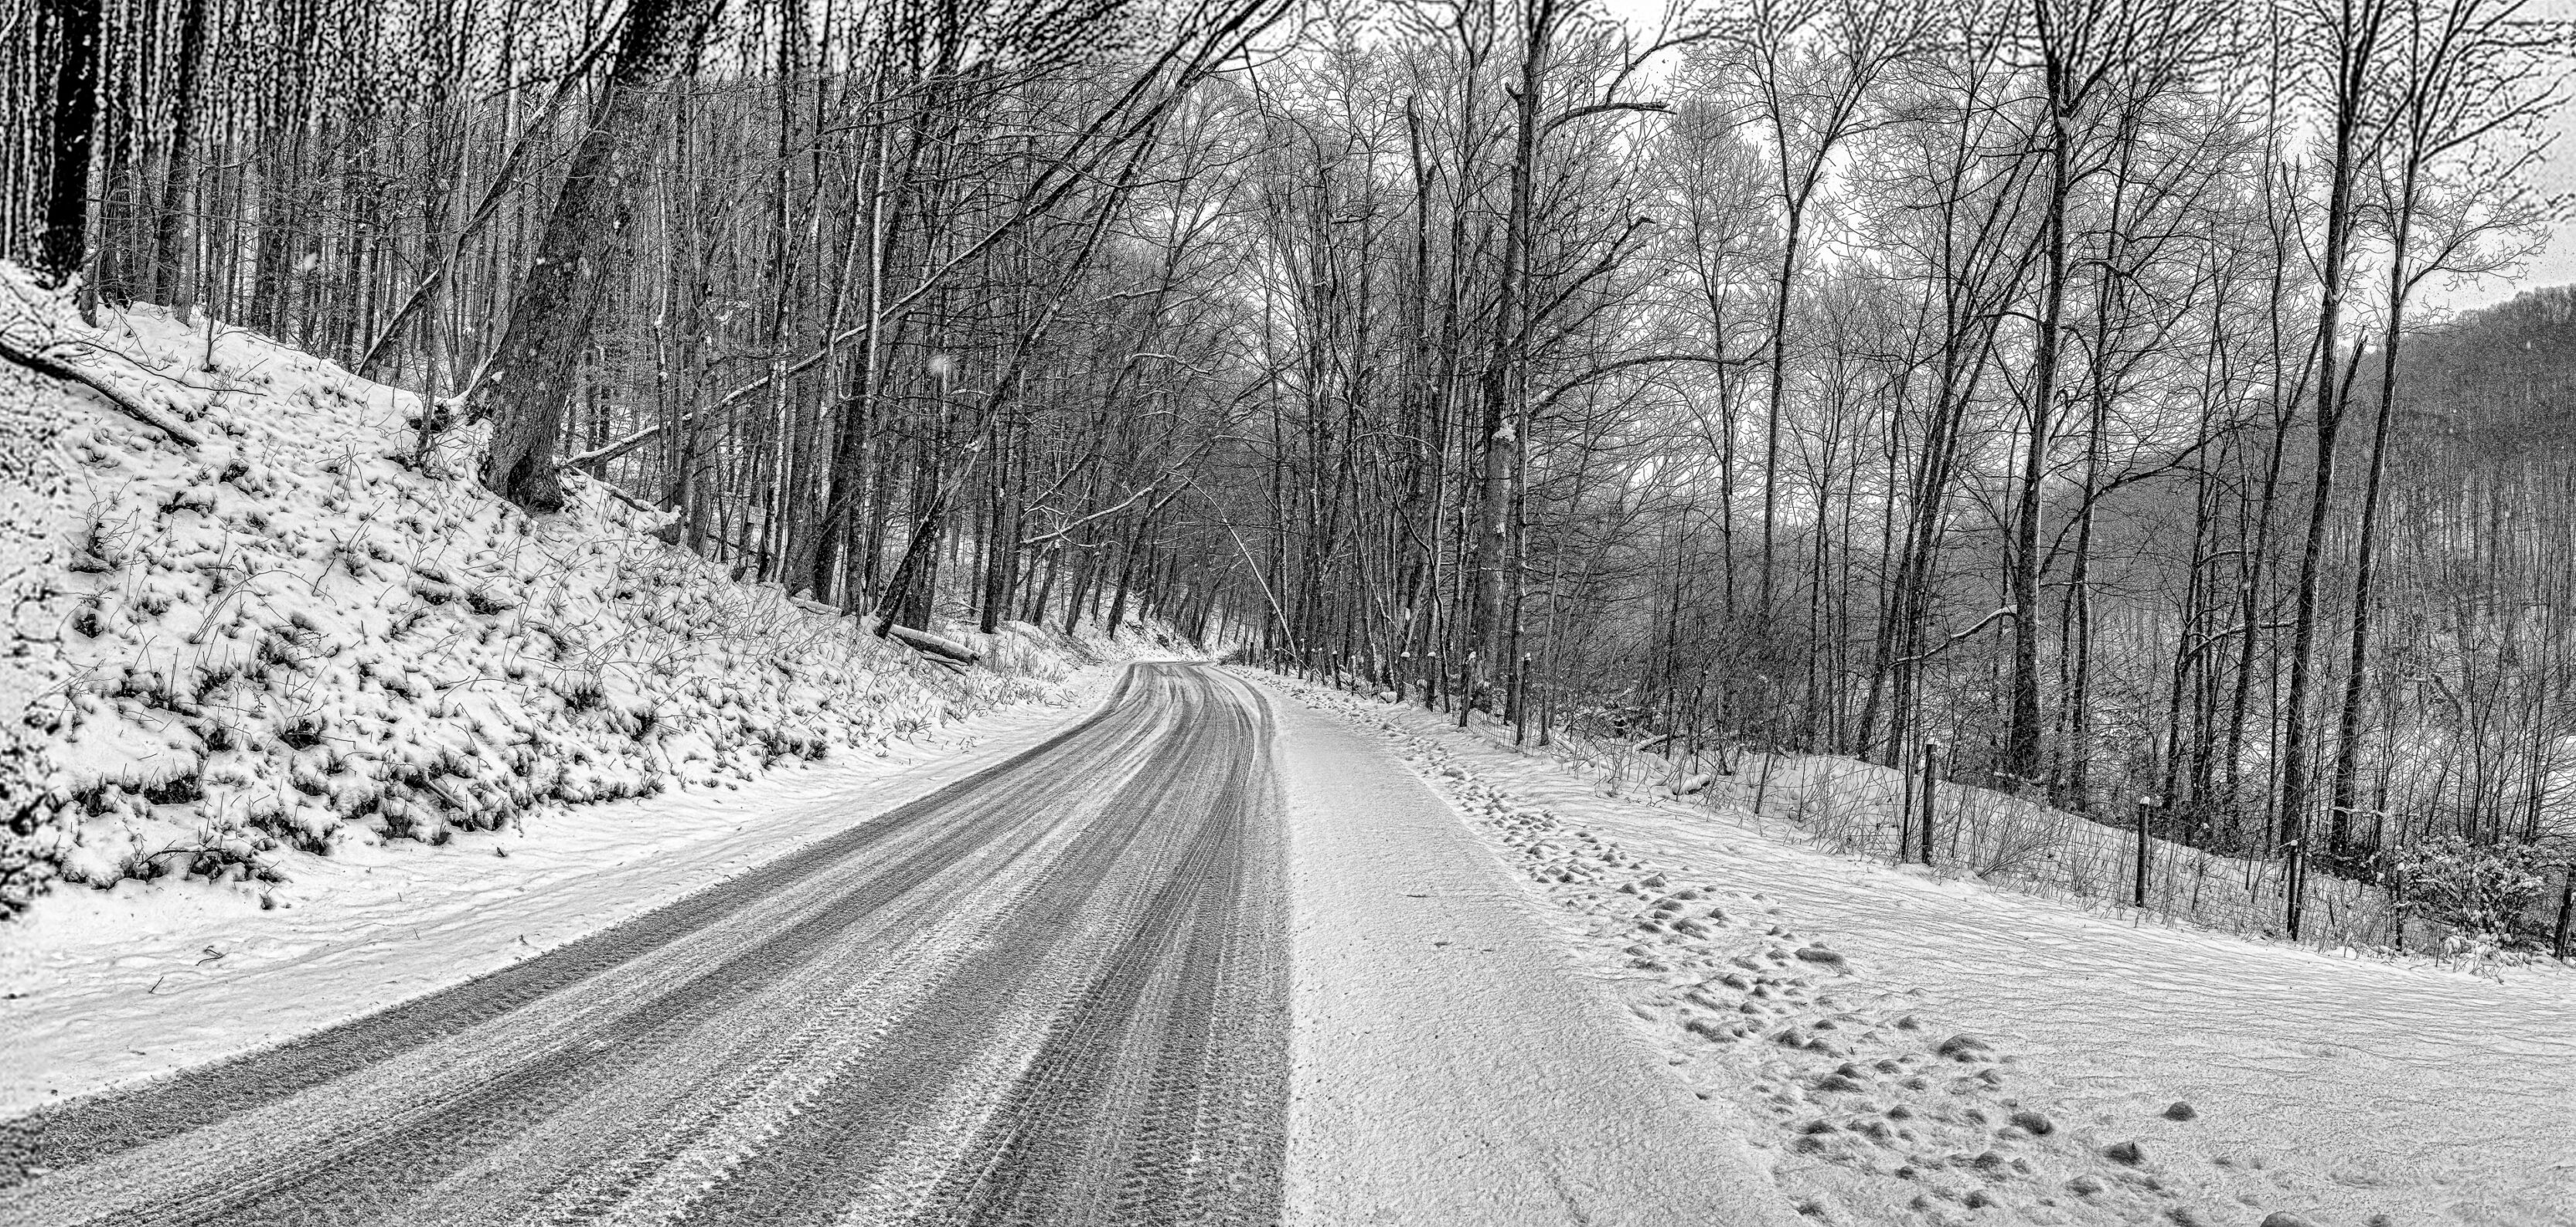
1941, 1051
276, 627
99, 988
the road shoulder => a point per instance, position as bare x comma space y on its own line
1450, 1063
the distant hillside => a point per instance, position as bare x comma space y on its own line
2503, 378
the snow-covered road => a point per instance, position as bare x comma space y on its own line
1454, 1065
1057, 989
1052, 992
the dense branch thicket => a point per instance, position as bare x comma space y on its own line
2044, 390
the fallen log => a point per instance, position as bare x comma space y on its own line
932, 645
44, 363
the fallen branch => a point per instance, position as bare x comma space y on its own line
46, 364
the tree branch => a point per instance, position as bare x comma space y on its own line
44, 363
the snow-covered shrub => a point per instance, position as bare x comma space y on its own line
1998, 835
2478, 890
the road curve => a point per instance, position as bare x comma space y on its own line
1053, 992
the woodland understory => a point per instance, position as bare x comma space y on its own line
2045, 395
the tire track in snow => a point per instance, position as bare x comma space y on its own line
1052, 991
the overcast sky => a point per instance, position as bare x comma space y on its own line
2554, 265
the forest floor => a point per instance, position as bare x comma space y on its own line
1941, 1051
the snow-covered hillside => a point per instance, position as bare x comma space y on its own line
296, 631
33, 491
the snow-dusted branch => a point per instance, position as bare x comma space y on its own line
1957, 639
48, 363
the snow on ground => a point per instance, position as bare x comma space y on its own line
1847, 805
302, 634
33, 515
99, 988
1447, 1067
1939, 1051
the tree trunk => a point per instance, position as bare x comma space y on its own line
166, 260
550, 318
2339, 221
2348, 731
2021, 745
1500, 383
63, 244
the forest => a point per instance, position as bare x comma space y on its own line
2049, 396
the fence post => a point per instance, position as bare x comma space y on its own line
2294, 873
2566, 909
2139, 887
1931, 753
1520, 702
1905, 764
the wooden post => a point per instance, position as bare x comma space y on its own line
2566, 909
1931, 756
1905, 764
2139, 888
2294, 872
1546, 716
1520, 702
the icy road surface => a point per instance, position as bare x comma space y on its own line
1192, 960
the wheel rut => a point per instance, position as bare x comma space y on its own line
1054, 992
